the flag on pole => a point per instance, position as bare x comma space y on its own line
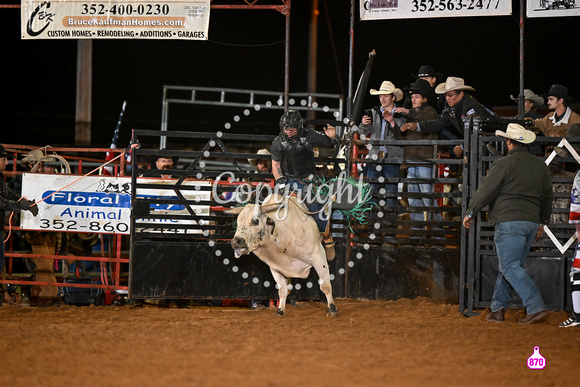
108, 170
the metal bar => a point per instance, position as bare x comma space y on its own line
521, 101
198, 135
280, 8
287, 61
66, 257
350, 61
64, 285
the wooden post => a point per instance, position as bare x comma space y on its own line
84, 92
313, 49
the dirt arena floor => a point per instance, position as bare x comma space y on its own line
371, 343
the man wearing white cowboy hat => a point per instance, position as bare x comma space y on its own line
459, 105
518, 190
263, 165
382, 123
531, 103
556, 123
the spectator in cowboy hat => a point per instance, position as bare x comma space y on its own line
421, 94
424, 96
556, 123
459, 105
35, 161
263, 165
163, 163
518, 191
531, 103
384, 123
428, 73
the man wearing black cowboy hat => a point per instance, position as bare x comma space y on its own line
556, 123
459, 105
421, 96
163, 163
9, 201
428, 73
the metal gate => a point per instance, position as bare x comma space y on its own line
180, 240
180, 237
549, 260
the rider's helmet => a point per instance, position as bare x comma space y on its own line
291, 119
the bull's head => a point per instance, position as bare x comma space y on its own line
253, 226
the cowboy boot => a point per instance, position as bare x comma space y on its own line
328, 246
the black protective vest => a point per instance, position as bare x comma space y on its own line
298, 159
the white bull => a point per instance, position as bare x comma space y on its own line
287, 240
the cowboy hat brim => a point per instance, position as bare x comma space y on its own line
153, 158
536, 99
524, 136
261, 152
440, 89
436, 75
398, 93
566, 97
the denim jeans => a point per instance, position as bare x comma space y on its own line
512, 243
387, 171
421, 172
320, 217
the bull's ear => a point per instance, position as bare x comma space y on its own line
234, 211
271, 224
270, 207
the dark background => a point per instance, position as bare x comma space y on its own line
246, 50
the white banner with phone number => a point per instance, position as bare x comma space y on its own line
115, 19
410, 9
552, 8
102, 204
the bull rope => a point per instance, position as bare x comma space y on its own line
323, 208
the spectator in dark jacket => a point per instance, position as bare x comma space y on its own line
459, 105
415, 155
9, 201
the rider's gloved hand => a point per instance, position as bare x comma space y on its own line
281, 182
29, 205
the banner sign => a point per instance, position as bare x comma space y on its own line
99, 204
411, 9
552, 8
115, 19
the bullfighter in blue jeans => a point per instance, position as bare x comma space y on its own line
518, 190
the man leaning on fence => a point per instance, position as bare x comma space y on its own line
556, 123
9, 201
518, 190
384, 123
459, 105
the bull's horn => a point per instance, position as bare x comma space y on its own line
264, 209
234, 211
